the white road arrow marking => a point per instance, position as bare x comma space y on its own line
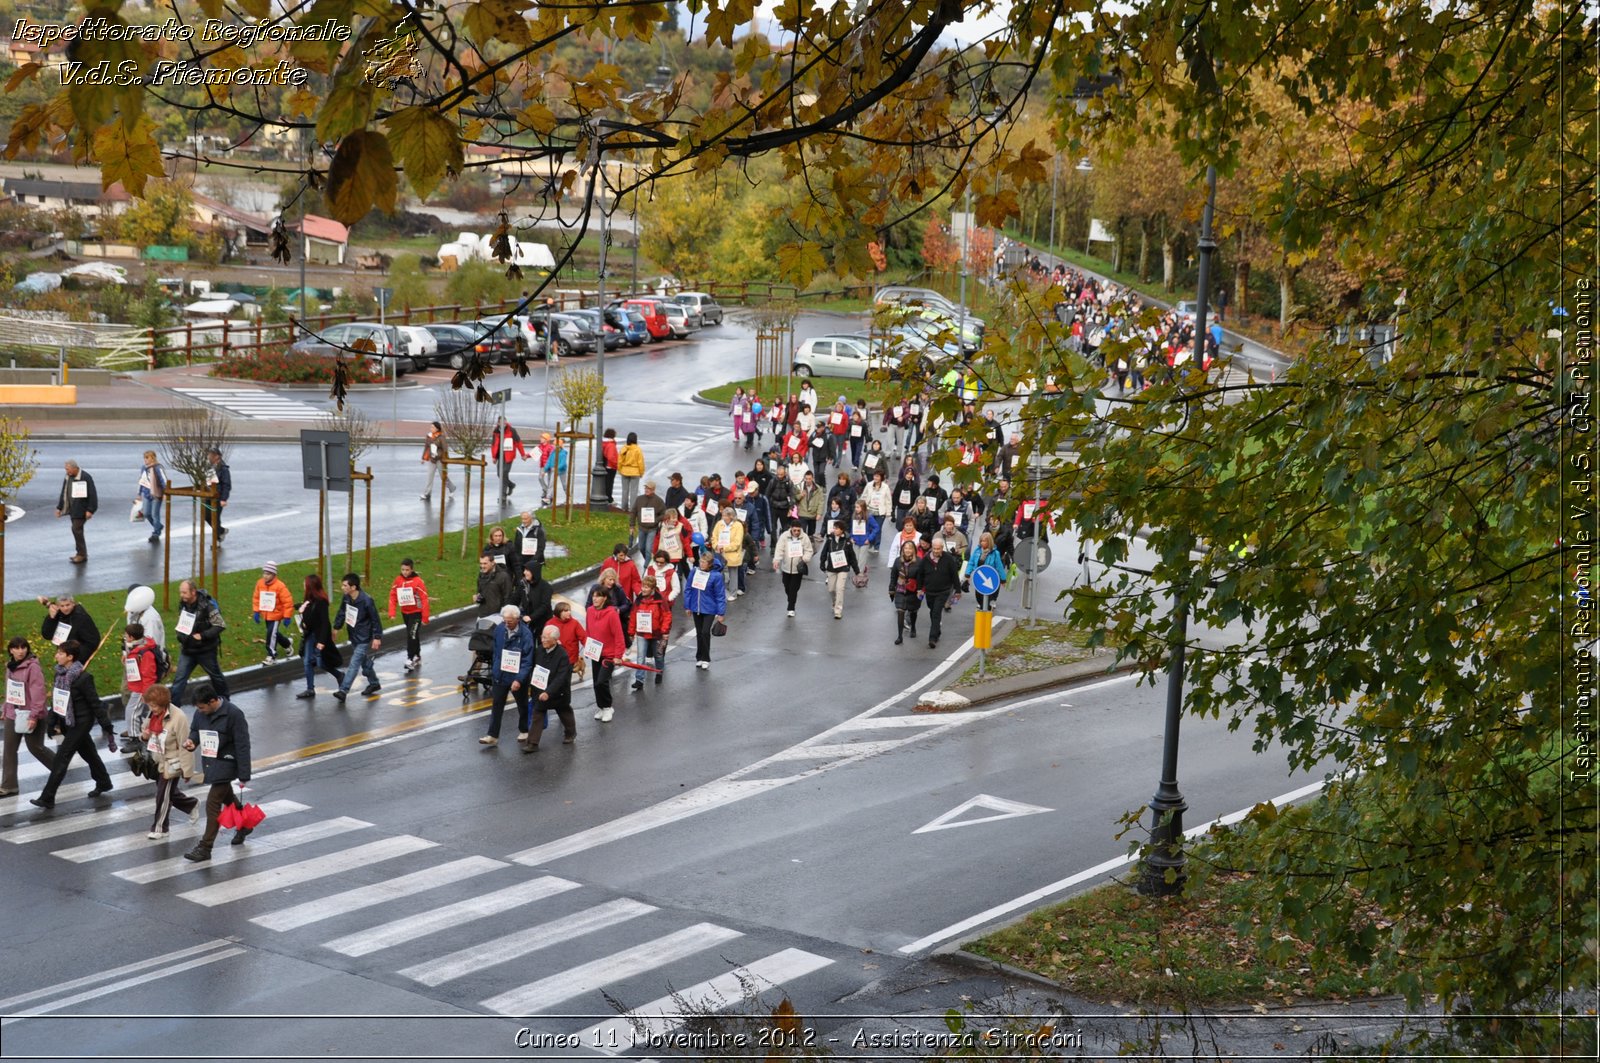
1002, 808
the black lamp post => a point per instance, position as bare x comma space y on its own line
1163, 873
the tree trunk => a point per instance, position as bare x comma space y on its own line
1169, 262
1116, 246
1144, 250
1285, 293
1241, 286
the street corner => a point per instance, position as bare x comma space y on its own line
941, 701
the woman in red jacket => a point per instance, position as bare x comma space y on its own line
572, 636
627, 572
605, 628
649, 625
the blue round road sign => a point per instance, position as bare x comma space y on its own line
985, 579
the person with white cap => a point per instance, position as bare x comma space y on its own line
273, 604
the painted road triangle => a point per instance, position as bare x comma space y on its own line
1002, 808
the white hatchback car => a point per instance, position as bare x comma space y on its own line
421, 345
845, 356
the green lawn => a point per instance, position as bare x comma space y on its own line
1030, 649
451, 584
1113, 945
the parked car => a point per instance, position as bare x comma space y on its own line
420, 345
904, 295
574, 335
388, 350
840, 355
691, 311
710, 310
454, 343
678, 320
633, 326
600, 324
654, 313
1187, 309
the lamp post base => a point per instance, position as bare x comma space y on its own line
601, 481
1162, 870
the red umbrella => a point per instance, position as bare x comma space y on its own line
251, 816
230, 817
636, 667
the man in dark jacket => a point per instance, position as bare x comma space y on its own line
512, 667
222, 479
647, 511
199, 633
938, 575
222, 736
551, 678
533, 598
494, 587
359, 618
65, 619
78, 704
675, 492
78, 503
844, 493
528, 543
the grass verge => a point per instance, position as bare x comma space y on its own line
1114, 945
1029, 649
451, 584
828, 389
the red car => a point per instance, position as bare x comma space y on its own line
655, 316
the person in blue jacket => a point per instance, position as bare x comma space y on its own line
359, 617
706, 599
513, 669
985, 553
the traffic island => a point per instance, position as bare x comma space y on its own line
1024, 659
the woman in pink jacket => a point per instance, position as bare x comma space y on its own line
25, 708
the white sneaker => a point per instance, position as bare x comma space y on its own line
605, 717
791, 612
599, 714
194, 815
424, 498
522, 736
156, 835
488, 740
269, 661
837, 615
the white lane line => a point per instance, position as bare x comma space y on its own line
228, 854
733, 786
827, 751
19, 802
378, 893
128, 843
991, 914
387, 935
55, 828
924, 719
306, 870
126, 983
449, 967
597, 974
115, 972
663, 1015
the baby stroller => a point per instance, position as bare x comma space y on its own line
480, 674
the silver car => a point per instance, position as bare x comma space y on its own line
844, 356
708, 308
678, 319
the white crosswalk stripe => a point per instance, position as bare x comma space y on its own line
379, 893
19, 802
181, 828
663, 1015
597, 974
512, 946
258, 404
259, 849
306, 870
412, 927
59, 825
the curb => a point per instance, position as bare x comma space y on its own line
700, 400
961, 957
960, 698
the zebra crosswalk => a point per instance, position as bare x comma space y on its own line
482, 933
256, 403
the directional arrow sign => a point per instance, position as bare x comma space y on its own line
986, 579
1001, 808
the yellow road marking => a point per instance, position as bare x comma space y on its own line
366, 736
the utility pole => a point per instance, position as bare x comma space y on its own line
1055, 172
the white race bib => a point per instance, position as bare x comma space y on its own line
855, 431
530, 546
406, 596
1014, 459
711, 507
209, 743
59, 697
817, 443
836, 420
591, 649
644, 622
967, 456
701, 579
836, 559
146, 482
153, 747
16, 693
871, 461
80, 489
541, 676
130, 669
511, 660
905, 497
858, 527
723, 536
647, 514
350, 615
269, 601
742, 514
185, 624
211, 477
61, 632
932, 500
899, 411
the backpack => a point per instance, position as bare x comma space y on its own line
163, 662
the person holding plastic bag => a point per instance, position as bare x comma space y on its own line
164, 733
222, 735
77, 702
705, 597
25, 709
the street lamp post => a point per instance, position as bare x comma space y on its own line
1055, 171
600, 477
1163, 873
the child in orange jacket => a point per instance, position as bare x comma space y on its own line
273, 604
409, 594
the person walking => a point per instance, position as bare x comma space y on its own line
605, 644
25, 710
199, 634
224, 743
552, 471
739, 410
409, 594
552, 678
528, 542
512, 666
77, 502
671, 539
273, 604
727, 539
141, 669
839, 562
938, 575
630, 466
140, 608
646, 514
791, 553
985, 554
621, 562
74, 698
506, 447
903, 591
809, 504
706, 599
317, 648
533, 599
152, 489
221, 478
498, 548
955, 544
163, 735
359, 618
573, 636
434, 451
865, 527
665, 572
648, 626
494, 587
65, 619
